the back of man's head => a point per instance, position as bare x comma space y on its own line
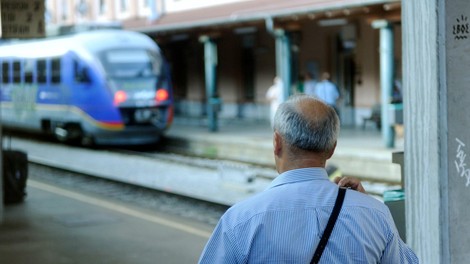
308, 124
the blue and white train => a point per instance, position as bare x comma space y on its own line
103, 87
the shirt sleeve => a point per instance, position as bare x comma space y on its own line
397, 251
220, 248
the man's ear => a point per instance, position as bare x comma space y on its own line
277, 143
330, 153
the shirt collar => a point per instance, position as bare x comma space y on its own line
297, 175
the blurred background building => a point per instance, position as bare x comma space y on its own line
252, 42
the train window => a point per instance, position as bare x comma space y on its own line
42, 70
16, 72
55, 69
157, 62
29, 66
125, 63
80, 72
5, 72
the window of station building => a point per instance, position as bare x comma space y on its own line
102, 7
124, 5
55, 70
16, 71
64, 11
42, 71
5, 72
101, 10
144, 7
29, 67
122, 9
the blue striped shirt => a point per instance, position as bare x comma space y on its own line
284, 223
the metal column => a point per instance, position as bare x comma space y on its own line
283, 58
386, 78
210, 64
1, 166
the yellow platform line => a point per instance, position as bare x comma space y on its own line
118, 208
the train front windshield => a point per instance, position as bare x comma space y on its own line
131, 63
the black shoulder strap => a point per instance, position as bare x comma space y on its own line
329, 227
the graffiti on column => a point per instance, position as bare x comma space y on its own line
460, 164
461, 29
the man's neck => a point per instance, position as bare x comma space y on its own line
304, 162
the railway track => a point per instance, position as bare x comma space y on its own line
236, 180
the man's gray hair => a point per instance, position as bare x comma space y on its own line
317, 134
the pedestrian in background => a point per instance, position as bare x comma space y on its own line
327, 91
299, 84
284, 223
309, 84
274, 97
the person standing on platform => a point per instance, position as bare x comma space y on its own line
309, 84
274, 97
284, 223
299, 84
327, 91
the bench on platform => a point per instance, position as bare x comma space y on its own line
375, 117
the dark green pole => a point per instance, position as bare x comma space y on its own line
210, 64
386, 78
283, 56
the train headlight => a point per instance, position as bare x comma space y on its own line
161, 95
120, 97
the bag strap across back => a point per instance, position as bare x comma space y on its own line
329, 227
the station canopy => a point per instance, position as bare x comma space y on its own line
287, 13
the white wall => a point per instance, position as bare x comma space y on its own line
182, 5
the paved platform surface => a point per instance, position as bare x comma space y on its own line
54, 225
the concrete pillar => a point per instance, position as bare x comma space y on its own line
386, 78
436, 61
210, 65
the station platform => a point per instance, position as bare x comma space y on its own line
54, 225
57, 226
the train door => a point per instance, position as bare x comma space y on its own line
83, 86
70, 77
76, 76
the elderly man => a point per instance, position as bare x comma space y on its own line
285, 223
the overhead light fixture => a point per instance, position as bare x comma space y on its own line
179, 37
245, 30
332, 22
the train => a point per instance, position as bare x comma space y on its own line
107, 87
